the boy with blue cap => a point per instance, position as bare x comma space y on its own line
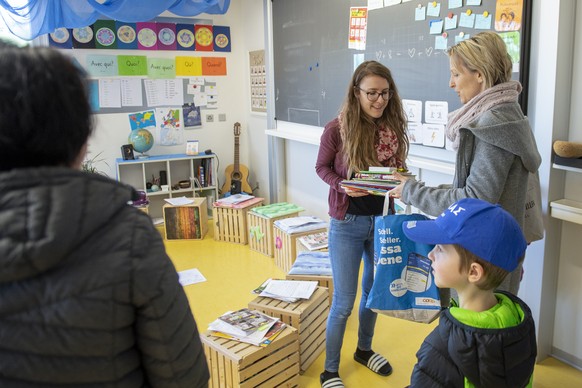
488, 338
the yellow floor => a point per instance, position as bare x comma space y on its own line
233, 270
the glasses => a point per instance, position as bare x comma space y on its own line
373, 96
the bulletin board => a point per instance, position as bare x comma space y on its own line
313, 61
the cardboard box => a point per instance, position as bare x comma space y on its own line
323, 280
261, 232
286, 246
186, 222
309, 317
230, 223
237, 364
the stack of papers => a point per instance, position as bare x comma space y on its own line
286, 290
300, 224
179, 201
249, 326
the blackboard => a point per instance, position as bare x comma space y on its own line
313, 64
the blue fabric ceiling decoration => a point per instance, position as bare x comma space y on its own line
29, 19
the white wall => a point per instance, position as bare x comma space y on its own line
112, 129
567, 333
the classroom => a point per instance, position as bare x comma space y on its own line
242, 109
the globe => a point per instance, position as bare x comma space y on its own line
142, 140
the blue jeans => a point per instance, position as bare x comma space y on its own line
350, 241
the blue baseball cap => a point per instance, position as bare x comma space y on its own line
483, 229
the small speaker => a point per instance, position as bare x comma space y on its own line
208, 151
163, 178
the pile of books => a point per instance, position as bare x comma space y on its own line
375, 181
286, 290
249, 326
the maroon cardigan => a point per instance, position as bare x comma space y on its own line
330, 167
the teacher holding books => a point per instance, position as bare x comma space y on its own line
369, 131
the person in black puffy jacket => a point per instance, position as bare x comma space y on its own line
88, 295
488, 338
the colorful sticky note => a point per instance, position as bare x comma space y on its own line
440, 42
467, 21
420, 13
132, 65
451, 23
436, 26
455, 4
221, 38
482, 22
433, 9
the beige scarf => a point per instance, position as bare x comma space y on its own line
481, 103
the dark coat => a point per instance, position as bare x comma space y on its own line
88, 296
500, 358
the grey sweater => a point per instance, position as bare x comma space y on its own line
88, 296
496, 153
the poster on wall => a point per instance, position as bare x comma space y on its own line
258, 78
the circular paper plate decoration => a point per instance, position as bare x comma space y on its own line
221, 40
147, 37
204, 36
105, 36
126, 34
166, 36
83, 34
60, 35
185, 38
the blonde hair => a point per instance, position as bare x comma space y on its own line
358, 130
485, 53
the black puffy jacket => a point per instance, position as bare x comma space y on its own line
88, 296
489, 358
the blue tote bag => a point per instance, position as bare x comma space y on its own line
403, 282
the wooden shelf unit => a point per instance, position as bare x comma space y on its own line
178, 167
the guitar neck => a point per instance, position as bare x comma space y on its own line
236, 156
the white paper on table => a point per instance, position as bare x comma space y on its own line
291, 288
190, 276
179, 201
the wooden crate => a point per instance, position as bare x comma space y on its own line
323, 280
186, 222
286, 246
236, 364
309, 317
261, 232
230, 223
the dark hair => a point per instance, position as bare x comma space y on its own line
45, 116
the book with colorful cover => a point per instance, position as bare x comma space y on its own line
268, 337
315, 241
245, 321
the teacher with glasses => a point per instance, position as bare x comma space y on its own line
370, 130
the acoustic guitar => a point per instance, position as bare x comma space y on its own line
237, 175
